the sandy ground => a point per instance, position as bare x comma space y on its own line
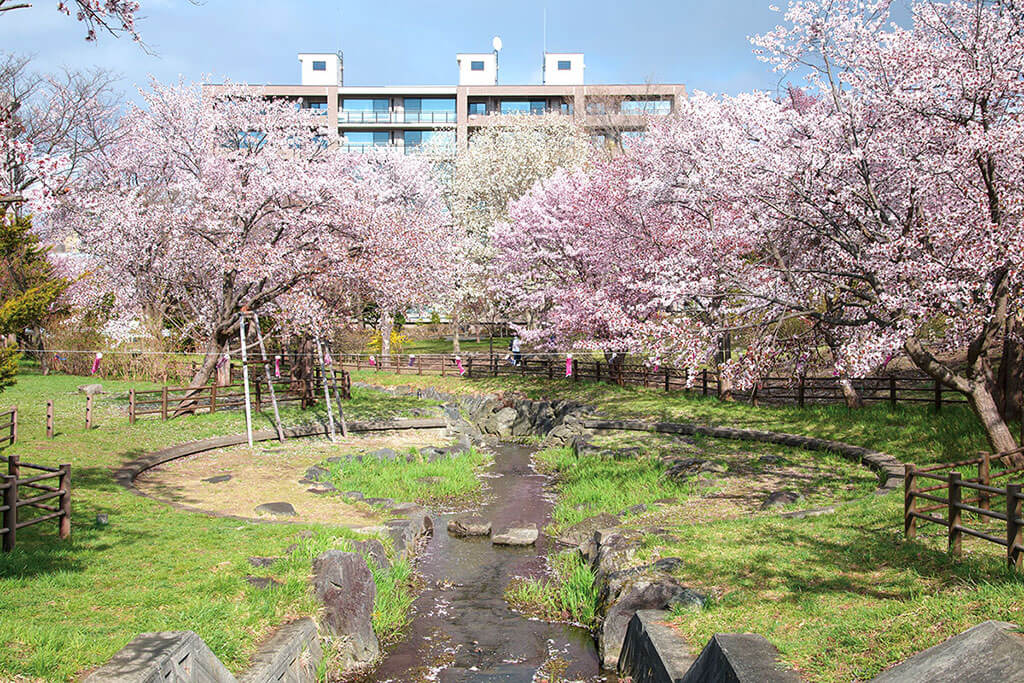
269, 473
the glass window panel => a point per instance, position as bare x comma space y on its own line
319, 66
476, 66
477, 108
538, 106
564, 65
595, 108
654, 107
514, 107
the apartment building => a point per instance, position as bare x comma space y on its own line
413, 118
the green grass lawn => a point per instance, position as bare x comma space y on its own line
842, 596
446, 481
66, 607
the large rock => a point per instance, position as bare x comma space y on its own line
525, 534
500, 423
406, 532
612, 550
580, 532
987, 653
374, 551
780, 499
469, 525
383, 454
622, 597
342, 582
90, 389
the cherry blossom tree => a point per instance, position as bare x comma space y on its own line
208, 205
112, 16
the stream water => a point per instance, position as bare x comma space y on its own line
462, 629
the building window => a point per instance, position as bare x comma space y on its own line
652, 107
477, 108
523, 106
596, 108
367, 138
476, 66
564, 65
365, 111
439, 139
319, 66
566, 107
429, 110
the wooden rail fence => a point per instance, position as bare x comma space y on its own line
16, 503
9, 427
800, 391
946, 493
211, 398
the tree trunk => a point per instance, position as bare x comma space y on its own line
302, 372
998, 432
1008, 391
853, 399
455, 332
224, 369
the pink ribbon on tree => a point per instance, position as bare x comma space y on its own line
458, 364
277, 367
96, 363
222, 360
373, 361
412, 359
327, 356
568, 365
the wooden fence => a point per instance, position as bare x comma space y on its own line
945, 493
891, 389
168, 401
9, 427
17, 503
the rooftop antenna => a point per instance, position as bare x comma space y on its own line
545, 30
496, 44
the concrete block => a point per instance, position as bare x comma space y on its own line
164, 657
739, 658
987, 653
291, 655
652, 652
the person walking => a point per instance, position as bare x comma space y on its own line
517, 354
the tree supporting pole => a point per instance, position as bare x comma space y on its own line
270, 380
327, 396
245, 379
337, 395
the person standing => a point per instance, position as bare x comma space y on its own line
517, 354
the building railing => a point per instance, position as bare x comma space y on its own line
366, 117
430, 117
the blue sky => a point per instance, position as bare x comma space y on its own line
702, 44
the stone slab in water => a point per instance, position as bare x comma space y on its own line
739, 658
987, 653
469, 525
218, 479
276, 509
517, 535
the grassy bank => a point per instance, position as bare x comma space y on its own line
446, 481
68, 606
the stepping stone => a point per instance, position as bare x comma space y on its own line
276, 509
517, 535
322, 489
262, 582
770, 459
355, 495
469, 525
262, 561
383, 454
218, 479
317, 474
780, 499
380, 501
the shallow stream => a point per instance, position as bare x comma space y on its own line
462, 629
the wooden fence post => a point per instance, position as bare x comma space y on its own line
14, 425
704, 382
10, 516
163, 402
955, 535
419, 365
597, 371
575, 371
88, 411
984, 497
65, 500
131, 410
892, 391
359, 361
494, 365
213, 398
909, 504
444, 369
1014, 554
667, 375
551, 367
938, 396
14, 465
469, 367
49, 417
800, 389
